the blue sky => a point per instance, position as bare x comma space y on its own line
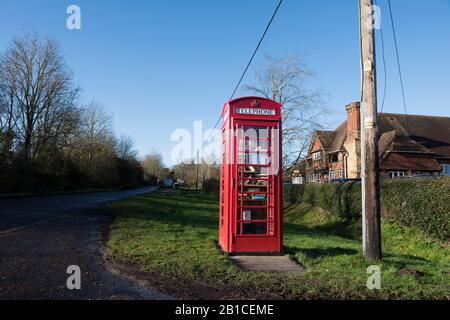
161, 65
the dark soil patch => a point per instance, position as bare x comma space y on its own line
412, 272
174, 286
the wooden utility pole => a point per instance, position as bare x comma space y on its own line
369, 137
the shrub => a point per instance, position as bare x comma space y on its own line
421, 203
341, 199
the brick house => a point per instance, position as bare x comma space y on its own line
408, 145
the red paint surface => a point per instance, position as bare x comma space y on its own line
250, 216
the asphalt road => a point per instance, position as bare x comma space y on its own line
40, 237
23, 211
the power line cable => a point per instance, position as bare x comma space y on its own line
398, 61
248, 65
256, 49
383, 53
361, 51
210, 134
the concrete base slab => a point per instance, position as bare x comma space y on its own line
267, 263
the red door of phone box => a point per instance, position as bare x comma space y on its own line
250, 217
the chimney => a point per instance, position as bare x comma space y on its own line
353, 119
352, 141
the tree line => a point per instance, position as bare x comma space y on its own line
206, 172
48, 141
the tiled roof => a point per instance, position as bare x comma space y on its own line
404, 143
397, 161
326, 138
428, 133
405, 133
341, 134
385, 143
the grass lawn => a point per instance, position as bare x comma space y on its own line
174, 234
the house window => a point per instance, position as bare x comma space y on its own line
332, 175
317, 155
445, 170
396, 174
336, 174
317, 177
334, 157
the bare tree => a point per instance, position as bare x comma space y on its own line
96, 143
283, 80
209, 168
125, 148
7, 134
47, 141
37, 94
153, 166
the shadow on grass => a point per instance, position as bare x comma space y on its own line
321, 252
187, 209
401, 261
179, 211
398, 261
344, 228
298, 229
186, 195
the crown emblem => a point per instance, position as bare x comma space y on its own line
255, 104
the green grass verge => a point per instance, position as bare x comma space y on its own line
175, 234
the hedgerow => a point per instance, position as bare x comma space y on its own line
420, 203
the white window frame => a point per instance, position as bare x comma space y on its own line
317, 155
332, 175
318, 177
396, 174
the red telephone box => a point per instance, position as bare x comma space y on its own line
250, 219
